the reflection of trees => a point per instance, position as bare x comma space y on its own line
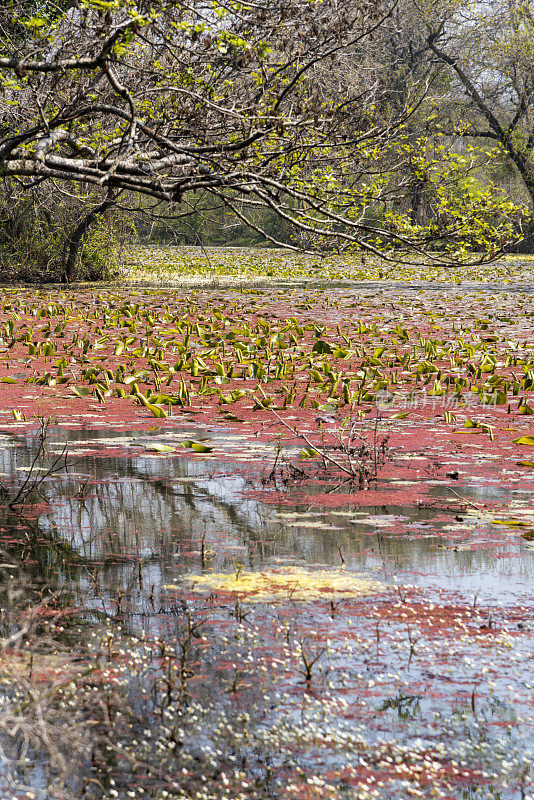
143, 515
44, 556
156, 511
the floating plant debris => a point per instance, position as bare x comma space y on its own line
289, 583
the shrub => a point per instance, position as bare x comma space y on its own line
35, 231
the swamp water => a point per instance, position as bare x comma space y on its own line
422, 687
202, 624
115, 510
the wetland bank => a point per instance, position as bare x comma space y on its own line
268, 542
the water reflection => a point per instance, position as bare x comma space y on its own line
142, 521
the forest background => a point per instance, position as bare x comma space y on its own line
400, 128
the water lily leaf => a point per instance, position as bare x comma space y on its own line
7, 380
309, 452
329, 408
525, 463
139, 376
164, 399
510, 523
81, 391
227, 415
321, 346
160, 448
155, 410
524, 440
496, 399
198, 447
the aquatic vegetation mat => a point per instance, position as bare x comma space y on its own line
189, 263
288, 550
291, 583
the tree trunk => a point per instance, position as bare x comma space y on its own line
75, 241
526, 245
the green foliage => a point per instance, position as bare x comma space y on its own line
98, 255
240, 131
34, 234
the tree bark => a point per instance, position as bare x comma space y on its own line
526, 245
518, 154
75, 241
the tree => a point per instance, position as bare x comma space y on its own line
40, 227
488, 51
258, 104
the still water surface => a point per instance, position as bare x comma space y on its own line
121, 516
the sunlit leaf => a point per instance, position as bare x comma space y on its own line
198, 447
310, 452
160, 448
81, 391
